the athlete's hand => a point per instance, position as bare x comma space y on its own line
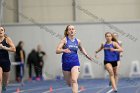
96, 56
112, 49
2, 47
66, 50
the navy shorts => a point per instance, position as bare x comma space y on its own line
5, 65
67, 66
113, 63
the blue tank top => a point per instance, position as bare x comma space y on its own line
118, 53
73, 47
4, 53
109, 55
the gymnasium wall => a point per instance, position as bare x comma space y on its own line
10, 16
48, 11
91, 35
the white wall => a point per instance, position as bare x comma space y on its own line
91, 35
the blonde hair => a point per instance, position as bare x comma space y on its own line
113, 37
5, 35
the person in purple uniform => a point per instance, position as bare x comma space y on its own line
69, 46
110, 58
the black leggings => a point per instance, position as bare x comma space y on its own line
35, 69
18, 70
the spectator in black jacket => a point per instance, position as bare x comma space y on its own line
41, 55
32, 61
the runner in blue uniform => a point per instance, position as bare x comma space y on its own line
6, 45
69, 46
110, 58
119, 55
